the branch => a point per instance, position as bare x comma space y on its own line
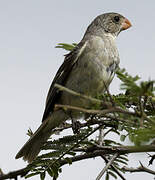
113, 168
94, 111
89, 123
62, 88
152, 159
123, 149
138, 169
90, 153
13, 175
101, 136
107, 166
111, 99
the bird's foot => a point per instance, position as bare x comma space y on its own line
76, 125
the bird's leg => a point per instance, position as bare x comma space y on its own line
76, 125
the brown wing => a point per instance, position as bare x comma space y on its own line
61, 77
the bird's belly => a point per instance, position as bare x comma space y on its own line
88, 78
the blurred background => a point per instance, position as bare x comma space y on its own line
29, 32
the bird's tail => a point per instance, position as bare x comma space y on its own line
32, 147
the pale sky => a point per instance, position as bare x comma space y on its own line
29, 31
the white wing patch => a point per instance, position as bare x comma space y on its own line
81, 51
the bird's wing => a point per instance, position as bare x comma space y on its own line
61, 77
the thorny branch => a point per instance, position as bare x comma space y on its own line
90, 153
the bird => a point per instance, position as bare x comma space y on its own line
87, 69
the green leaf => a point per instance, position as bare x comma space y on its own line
112, 174
29, 132
122, 137
68, 160
32, 174
51, 154
60, 170
120, 161
50, 172
123, 157
107, 176
120, 127
55, 170
42, 175
68, 47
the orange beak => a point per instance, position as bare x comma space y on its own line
126, 24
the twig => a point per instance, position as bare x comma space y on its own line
124, 149
1, 172
113, 168
101, 136
141, 111
14, 174
88, 123
152, 158
94, 111
107, 166
111, 99
119, 119
93, 100
62, 88
54, 178
108, 131
141, 168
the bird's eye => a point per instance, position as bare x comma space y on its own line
116, 19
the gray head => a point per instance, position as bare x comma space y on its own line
112, 23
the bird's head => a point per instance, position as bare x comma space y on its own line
112, 23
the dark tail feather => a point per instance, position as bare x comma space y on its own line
31, 149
